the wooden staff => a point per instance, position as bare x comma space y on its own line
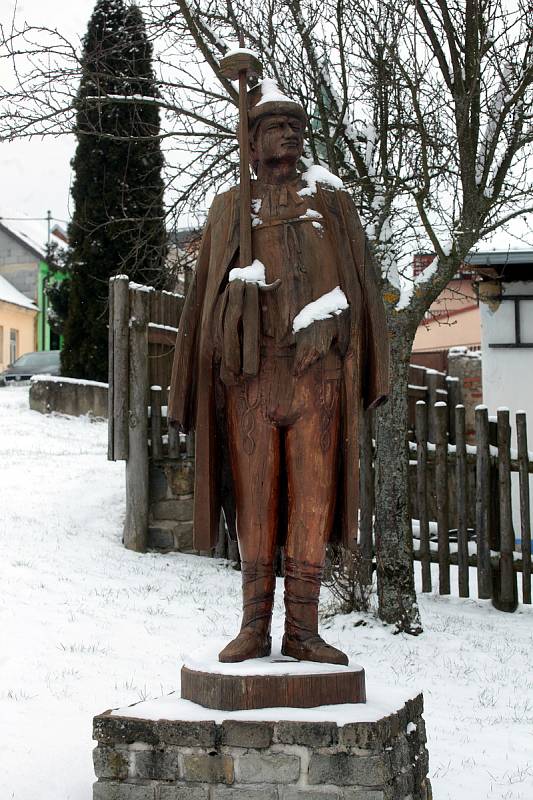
241, 65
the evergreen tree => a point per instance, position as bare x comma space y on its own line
118, 221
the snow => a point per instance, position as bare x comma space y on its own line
87, 626
159, 327
325, 306
206, 659
61, 379
255, 273
318, 174
8, 294
271, 93
241, 50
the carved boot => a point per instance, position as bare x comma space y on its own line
301, 639
253, 640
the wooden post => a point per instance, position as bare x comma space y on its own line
525, 513
462, 501
366, 484
454, 398
506, 521
421, 428
173, 442
110, 348
441, 487
432, 384
155, 423
136, 525
121, 335
484, 570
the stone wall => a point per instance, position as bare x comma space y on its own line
68, 396
466, 365
140, 759
171, 490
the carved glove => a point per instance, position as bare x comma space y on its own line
315, 341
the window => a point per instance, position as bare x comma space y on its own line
13, 345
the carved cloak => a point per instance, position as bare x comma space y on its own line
365, 367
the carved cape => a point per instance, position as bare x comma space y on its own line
365, 367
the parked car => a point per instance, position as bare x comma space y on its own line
44, 363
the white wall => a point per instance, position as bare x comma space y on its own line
508, 372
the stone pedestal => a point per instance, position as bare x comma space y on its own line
171, 749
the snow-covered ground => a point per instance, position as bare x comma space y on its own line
86, 625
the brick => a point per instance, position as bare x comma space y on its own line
268, 768
157, 764
126, 730
342, 769
401, 754
234, 733
208, 768
183, 793
353, 793
404, 783
244, 793
177, 510
109, 790
305, 793
308, 734
186, 733
180, 476
158, 484
110, 763
161, 536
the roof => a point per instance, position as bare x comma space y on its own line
497, 257
8, 294
26, 233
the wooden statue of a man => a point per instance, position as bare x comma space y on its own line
310, 308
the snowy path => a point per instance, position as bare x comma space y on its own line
87, 626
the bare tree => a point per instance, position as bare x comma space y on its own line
423, 109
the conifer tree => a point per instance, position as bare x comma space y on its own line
118, 220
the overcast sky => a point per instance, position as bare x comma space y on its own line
35, 175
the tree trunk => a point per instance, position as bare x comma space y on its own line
394, 543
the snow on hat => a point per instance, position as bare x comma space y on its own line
266, 98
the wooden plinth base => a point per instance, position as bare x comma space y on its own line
238, 692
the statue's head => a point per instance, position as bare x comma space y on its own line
276, 126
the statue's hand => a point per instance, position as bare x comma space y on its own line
312, 343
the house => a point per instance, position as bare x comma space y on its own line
506, 293
23, 265
452, 321
18, 324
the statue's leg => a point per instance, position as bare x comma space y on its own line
254, 455
311, 458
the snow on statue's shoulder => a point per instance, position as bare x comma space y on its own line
327, 305
255, 273
270, 93
317, 174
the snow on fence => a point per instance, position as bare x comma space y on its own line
142, 333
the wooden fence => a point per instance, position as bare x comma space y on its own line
462, 502
142, 333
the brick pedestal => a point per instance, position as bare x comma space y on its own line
236, 759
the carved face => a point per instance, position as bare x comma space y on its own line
278, 137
